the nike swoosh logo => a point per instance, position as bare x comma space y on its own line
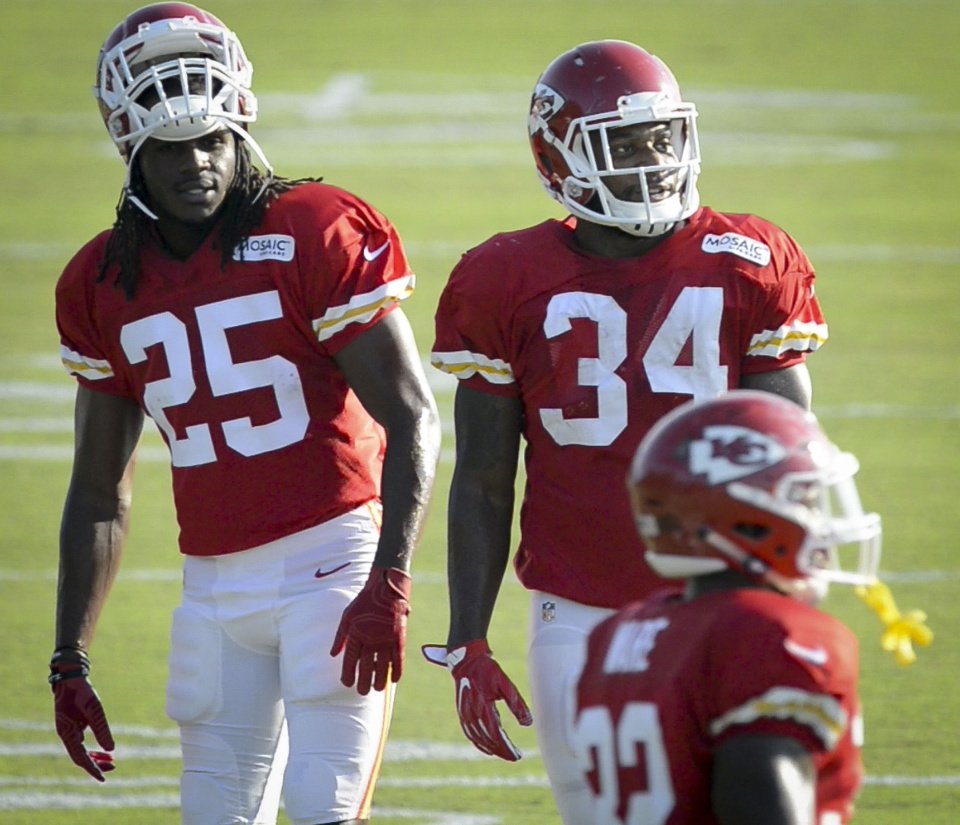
462, 688
372, 254
322, 574
815, 655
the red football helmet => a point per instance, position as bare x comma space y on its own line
749, 481
173, 71
583, 95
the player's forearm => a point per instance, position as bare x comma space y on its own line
409, 471
478, 532
91, 546
96, 511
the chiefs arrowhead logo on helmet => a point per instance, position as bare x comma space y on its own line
726, 452
545, 104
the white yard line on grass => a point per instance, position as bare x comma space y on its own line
19, 792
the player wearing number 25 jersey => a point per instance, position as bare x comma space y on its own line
235, 365
573, 337
256, 319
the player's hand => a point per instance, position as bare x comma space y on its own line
76, 707
373, 631
480, 683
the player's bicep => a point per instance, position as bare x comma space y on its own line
488, 428
763, 780
382, 366
107, 429
481, 502
792, 383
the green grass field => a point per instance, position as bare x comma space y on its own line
838, 120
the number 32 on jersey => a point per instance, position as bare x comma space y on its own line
610, 754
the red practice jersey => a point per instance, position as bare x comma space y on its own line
667, 681
598, 349
236, 365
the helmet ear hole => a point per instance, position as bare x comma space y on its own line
544, 160
751, 531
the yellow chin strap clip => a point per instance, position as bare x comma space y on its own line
900, 631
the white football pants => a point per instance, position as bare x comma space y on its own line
558, 630
250, 650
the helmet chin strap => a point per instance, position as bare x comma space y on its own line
640, 230
636, 230
242, 133
810, 590
738, 558
140, 205
616, 213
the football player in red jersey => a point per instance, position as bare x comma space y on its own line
256, 320
735, 701
575, 336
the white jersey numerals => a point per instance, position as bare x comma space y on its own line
225, 377
610, 751
599, 372
694, 316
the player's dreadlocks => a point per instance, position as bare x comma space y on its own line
242, 210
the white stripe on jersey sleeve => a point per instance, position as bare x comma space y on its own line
465, 364
821, 713
805, 336
93, 369
361, 308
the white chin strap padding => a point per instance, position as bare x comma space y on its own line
184, 118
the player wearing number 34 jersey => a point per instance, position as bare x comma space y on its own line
598, 350
574, 337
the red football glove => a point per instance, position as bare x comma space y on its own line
76, 706
373, 630
480, 684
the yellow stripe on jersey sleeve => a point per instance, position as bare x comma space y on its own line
361, 308
93, 369
804, 336
821, 713
466, 364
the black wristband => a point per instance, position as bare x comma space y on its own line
68, 663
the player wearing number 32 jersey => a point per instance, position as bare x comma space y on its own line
680, 680
736, 699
